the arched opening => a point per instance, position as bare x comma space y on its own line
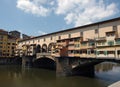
38, 49
50, 47
46, 63
44, 48
95, 66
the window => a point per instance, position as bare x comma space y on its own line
101, 52
105, 52
1, 37
97, 52
83, 43
112, 34
98, 43
13, 43
108, 35
51, 38
111, 52
12, 47
110, 43
91, 44
118, 41
69, 35
103, 43
44, 39
96, 31
8, 43
118, 51
59, 37
77, 45
81, 33
114, 28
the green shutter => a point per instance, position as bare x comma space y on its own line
111, 43
97, 52
105, 52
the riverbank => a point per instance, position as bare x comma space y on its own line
10, 61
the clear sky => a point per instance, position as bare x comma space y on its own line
36, 17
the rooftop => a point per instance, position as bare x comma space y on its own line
75, 28
3, 32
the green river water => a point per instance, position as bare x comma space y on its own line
15, 76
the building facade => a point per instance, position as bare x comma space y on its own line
100, 39
15, 34
24, 36
7, 44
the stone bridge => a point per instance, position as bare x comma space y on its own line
65, 49
66, 66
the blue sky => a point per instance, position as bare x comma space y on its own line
37, 17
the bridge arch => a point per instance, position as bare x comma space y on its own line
50, 46
87, 68
45, 62
38, 49
44, 48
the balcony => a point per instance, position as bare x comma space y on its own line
84, 47
77, 55
71, 42
101, 39
111, 43
71, 47
62, 43
83, 55
71, 54
117, 41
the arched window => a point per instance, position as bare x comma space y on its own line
38, 49
44, 48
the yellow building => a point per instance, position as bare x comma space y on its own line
7, 44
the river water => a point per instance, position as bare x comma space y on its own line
15, 76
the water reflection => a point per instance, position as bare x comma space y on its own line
108, 71
15, 76
106, 66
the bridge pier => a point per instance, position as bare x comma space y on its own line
66, 66
27, 61
63, 67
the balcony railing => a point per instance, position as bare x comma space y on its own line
100, 38
84, 47
71, 47
62, 43
71, 42
118, 43
71, 54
